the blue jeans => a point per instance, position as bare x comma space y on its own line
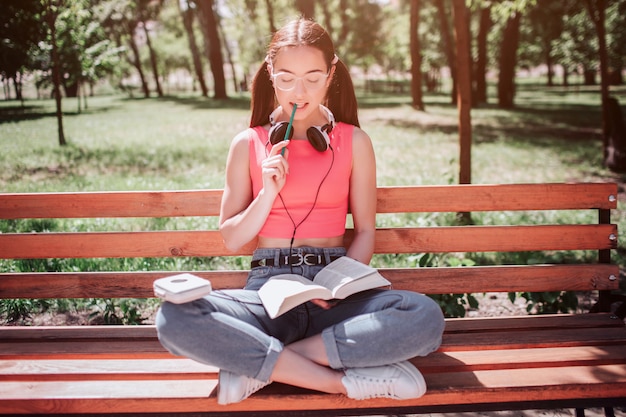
231, 330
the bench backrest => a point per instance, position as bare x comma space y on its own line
407, 233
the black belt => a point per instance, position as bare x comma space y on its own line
296, 259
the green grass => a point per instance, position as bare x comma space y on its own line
176, 143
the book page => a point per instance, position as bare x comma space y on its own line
283, 292
342, 271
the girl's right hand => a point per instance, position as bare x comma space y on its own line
275, 168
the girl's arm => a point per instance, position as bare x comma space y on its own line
363, 197
241, 216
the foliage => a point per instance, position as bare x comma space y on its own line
127, 311
16, 310
452, 305
548, 302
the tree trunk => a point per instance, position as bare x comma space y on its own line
448, 45
328, 19
187, 15
56, 72
229, 55
153, 60
270, 15
345, 23
480, 72
416, 57
213, 47
136, 61
464, 100
508, 62
549, 64
597, 9
306, 8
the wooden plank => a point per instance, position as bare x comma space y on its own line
478, 387
449, 198
521, 339
388, 240
466, 361
156, 244
135, 284
121, 342
458, 325
104, 369
110, 204
138, 284
501, 197
533, 323
495, 238
178, 368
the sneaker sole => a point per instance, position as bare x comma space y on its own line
222, 395
416, 374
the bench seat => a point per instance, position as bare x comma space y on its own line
517, 362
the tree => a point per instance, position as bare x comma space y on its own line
306, 8
480, 66
508, 61
546, 19
52, 11
20, 30
187, 14
464, 101
120, 22
416, 56
146, 11
213, 46
597, 9
448, 44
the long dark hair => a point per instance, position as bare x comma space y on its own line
340, 99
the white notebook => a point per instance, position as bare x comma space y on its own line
181, 288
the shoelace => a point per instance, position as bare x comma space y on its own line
374, 387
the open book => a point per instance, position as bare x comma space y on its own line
338, 280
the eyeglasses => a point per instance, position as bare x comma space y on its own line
286, 81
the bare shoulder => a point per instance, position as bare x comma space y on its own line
241, 139
361, 141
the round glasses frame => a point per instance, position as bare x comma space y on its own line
304, 80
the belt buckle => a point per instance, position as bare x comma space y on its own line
303, 259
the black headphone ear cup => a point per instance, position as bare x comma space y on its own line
318, 138
277, 132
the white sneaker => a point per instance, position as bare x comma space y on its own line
400, 381
234, 388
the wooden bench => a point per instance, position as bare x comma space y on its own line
523, 362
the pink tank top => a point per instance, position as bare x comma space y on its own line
299, 205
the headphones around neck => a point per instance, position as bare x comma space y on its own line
317, 135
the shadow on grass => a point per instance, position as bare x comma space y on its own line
204, 103
18, 113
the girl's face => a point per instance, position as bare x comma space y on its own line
300, 76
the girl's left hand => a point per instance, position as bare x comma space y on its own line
325, 304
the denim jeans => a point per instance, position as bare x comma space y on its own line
231, 330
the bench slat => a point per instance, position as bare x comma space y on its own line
488, 386
110, 204
449, 198
117, 342
503, 197
397, 240
179, 368
534, 278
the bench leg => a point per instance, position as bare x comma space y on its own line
608, 412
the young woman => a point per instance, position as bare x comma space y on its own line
293, 197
